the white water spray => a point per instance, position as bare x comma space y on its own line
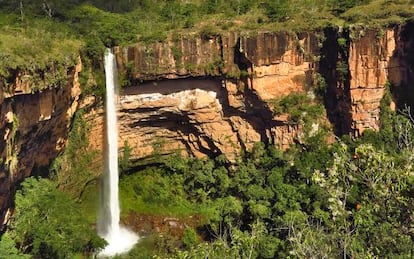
119, 239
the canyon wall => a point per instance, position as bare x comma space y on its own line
211, 95
33, 128
358, 71
207, 95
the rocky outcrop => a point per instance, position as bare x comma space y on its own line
189, 116
193, 116
209, 96
369, 58
182, 57
358, 65
224, 83
280, 64
34, 129
276, 64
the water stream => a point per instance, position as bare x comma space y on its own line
119, 238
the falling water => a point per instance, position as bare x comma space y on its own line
119, 239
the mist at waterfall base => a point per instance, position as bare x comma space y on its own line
119, 239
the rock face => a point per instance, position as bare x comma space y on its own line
191, 116
276, 64
371, 68
206, 95
33, 128
280, 64
368, 66
194, 116
358, 70
209, 96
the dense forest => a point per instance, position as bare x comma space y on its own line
350, 198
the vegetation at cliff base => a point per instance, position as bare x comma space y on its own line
352, 198
343, 198
48, 224
337, 200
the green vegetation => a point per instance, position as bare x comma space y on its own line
346, 199
149, 192
368, 197
349, 199
74, 169
306, 112
40, 40
328, 202
26, 51
48, 35
41, 206
300, 107
8, 248
242, 244
48, 224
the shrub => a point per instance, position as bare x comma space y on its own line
278, 10
8, 248
190, 238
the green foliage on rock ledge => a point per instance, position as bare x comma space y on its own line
299, 107
74, 169
41, 54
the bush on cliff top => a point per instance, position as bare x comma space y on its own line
30, 49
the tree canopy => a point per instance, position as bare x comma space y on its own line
48, 224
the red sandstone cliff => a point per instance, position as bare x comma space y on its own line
209, 95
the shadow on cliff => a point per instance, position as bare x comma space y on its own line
401, 67
334, 69
255, 111
40, 122
171, 86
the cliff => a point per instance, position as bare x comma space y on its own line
34, 128
211, 95
359, 71
206, 95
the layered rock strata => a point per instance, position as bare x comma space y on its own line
358, 66
209, 96
236, 75
369, 67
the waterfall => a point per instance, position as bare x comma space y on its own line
119, 239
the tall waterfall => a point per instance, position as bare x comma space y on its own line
119, 239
